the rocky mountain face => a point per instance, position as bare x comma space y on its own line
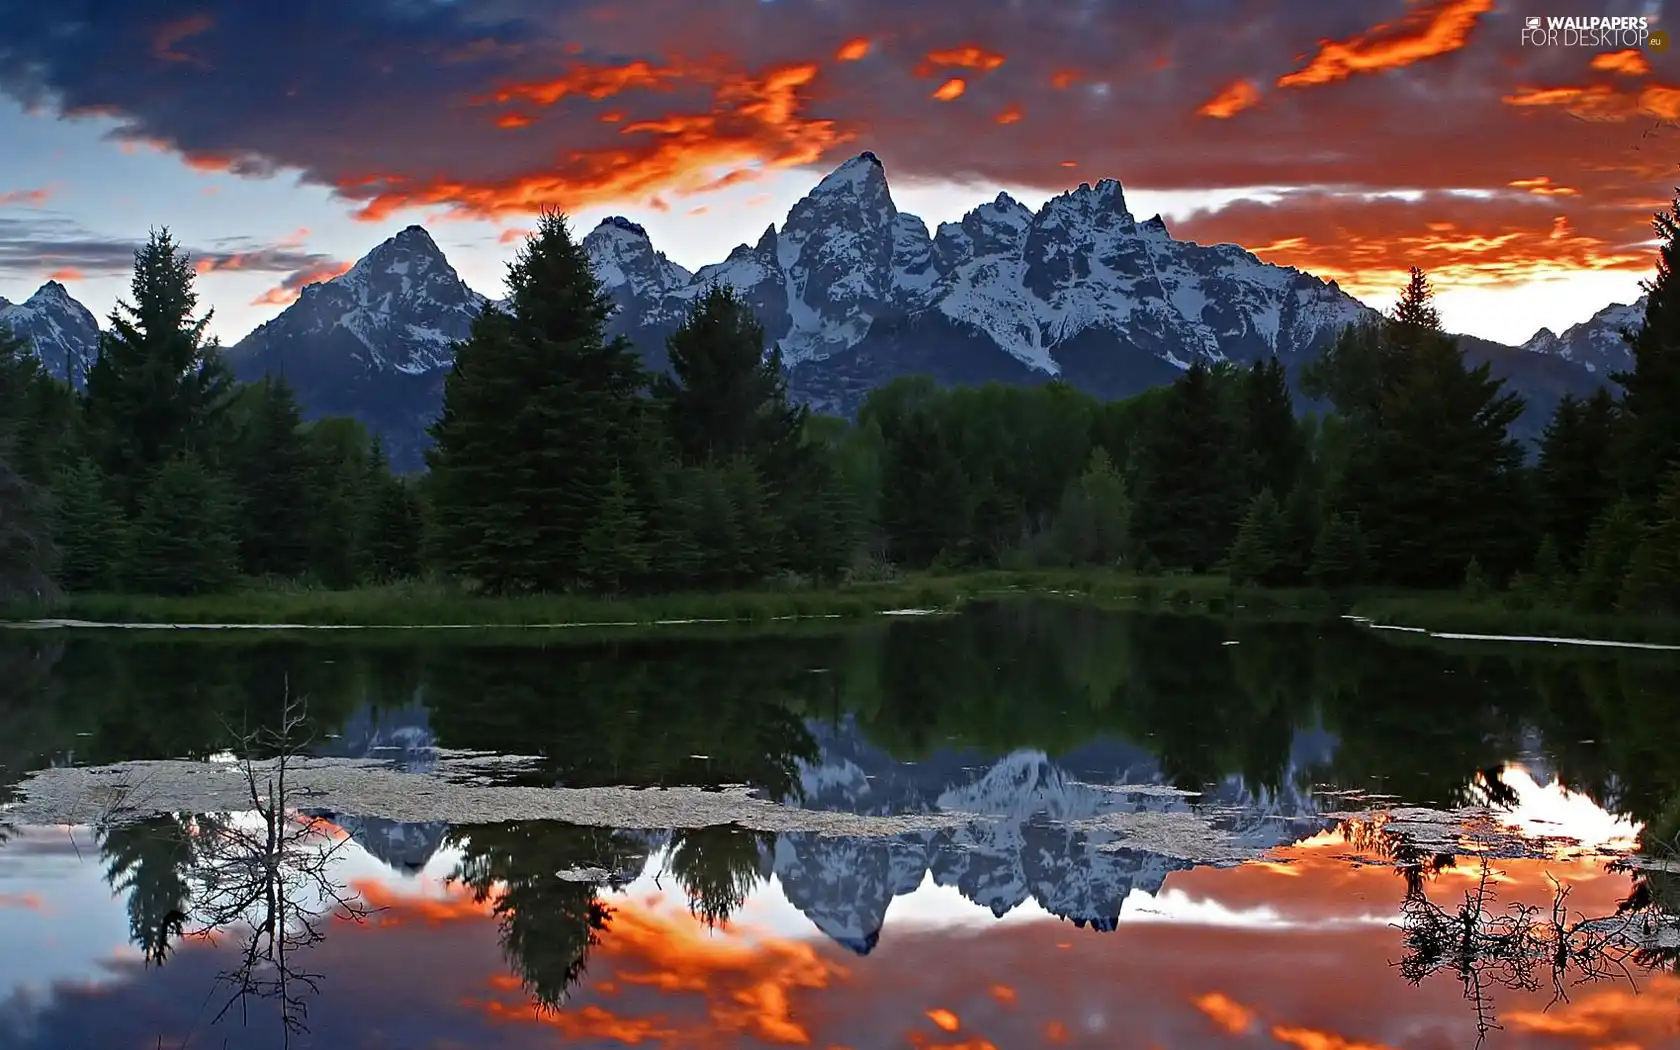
63, 332
1596, 344
856, 293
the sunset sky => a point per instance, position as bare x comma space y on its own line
282, 141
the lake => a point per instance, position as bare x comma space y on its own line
1028, 824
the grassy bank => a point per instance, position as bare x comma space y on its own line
1454, 613
430, 604
440, 604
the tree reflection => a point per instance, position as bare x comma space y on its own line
719, 867
265, 872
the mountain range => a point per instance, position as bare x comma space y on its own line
857, 293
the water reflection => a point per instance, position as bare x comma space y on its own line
1120, 769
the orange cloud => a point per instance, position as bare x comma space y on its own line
593, 82
1542, 187
25, 901
755, 119
612, 116
512, 236
1312, 1039
166, 41
208, 162
33, 198
513, 120
1628, 63
1601, 102
1230, 1016
295, 239
966, 57
853, 50
1010, 115
1063, 79
944, 1019
69, 273
951, 89
1232, 99
287, 291
1428, 32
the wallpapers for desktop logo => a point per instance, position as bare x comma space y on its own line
1602, 32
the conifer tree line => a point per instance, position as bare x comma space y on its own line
560, 464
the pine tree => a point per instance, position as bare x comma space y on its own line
1476, 585
339, 501
1577, 476
271, 476
825, 522
36, 413
1191, 486
1415, 309
537, 413
1258, 553
1650, 404
182, 540
1551, 576
1652, 583
1271, 434
159, 386
612, 551
925, 495
395, 526
1339, 557
91, 532
27, 554
1605, 561
1301, 515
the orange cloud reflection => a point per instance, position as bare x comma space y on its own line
951, 89
1231, 100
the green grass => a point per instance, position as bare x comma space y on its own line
440, 604
1456, 613
437, 604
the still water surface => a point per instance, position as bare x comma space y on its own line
1027, 825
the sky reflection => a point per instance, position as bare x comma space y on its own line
1296, 951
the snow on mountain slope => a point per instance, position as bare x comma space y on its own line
1597, 344
63, 333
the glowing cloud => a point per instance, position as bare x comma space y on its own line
68, 273
1628, 63
33, 198
1230, 1016
1010, 115
165, 43
1427, 33
853, 50
1601, 102
513, 120
951, 89
1232, 99
967, 57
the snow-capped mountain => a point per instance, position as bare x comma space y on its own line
63, 332
1596, 344
374, 342
856, 292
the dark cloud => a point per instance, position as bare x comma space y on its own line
499, 107
53, 244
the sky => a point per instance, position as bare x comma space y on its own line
280, 142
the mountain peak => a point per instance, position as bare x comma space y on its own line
52, 291
856, 175
619, 222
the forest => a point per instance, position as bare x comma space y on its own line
561, 465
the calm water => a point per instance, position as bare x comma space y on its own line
1129, 831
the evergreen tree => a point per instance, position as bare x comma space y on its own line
612, 552
271, 471
1415, 310
340, 501
1577, 476
1551, 576
183, 539
1301, 514
1191, 485
537, 414
1605, 561
1652, 583
27, 555
36, 413
1650, 404
1258, 554
1272, 435
825, 521
89, 528
394, 520
725, 396
159, 386
925, 496
1339, 556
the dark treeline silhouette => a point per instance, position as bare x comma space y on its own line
559, 464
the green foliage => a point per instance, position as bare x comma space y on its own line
1604, 563
1093, 526
1339, 555
183, 540
1650, 403
1652, 584
273, 476
538, 413
1191, 482
1476, 585
340, 501
613, 550
27, 554
1260, 553
1577, 474
159, 386
91, 531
